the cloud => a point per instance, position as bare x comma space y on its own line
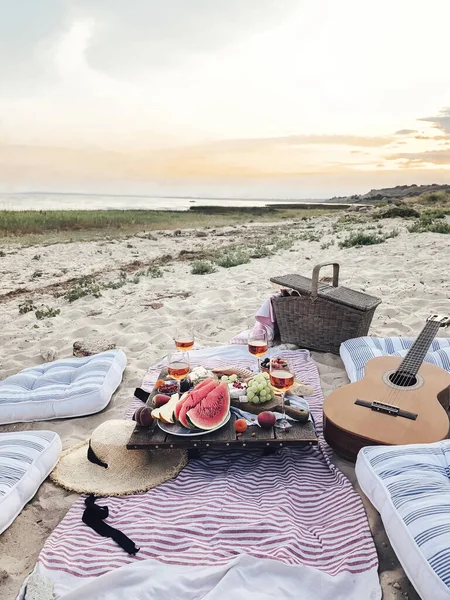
442, 121
432, 137
435, 157
140, 33
129, 36
301, 140
405, 131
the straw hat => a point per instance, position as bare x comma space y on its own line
103, 466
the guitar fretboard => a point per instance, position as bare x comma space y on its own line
412, 361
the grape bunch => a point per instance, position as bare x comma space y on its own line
259, 389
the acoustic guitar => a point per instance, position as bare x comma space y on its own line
398, 401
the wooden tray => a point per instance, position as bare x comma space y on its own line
225, 438
300, 434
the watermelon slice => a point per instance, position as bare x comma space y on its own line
211, 411
194, 397
177, 407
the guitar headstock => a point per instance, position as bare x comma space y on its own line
441, 319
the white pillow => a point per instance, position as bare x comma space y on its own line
26, 458
410, 488
356, 352
71, 387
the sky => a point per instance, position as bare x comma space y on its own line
294, 98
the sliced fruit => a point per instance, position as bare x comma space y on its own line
195, 396
211, 411
177, 407
166, 411
155, 412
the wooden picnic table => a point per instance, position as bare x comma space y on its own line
225, 438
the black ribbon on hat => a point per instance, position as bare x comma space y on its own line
93, 517
93, 458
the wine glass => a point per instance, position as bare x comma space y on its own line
178, 366
184, 339
281, 379
258, 345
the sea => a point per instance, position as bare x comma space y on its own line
79, 201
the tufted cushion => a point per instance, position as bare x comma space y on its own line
26, 458
357, 352
71, 387
410, 488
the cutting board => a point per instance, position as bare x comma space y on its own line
273, 405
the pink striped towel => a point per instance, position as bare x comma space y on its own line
293, 506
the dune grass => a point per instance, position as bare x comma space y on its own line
81, 225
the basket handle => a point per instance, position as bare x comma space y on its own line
315, 277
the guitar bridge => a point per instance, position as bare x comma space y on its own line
387, 409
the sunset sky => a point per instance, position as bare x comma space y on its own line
306, 98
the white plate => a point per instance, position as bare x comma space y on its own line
177, 429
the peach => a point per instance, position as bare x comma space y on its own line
160, 400
266, 419
240, 425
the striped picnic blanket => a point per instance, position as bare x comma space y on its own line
293, 507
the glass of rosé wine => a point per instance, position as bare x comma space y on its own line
281, 379
178, 366
258, 345
184, 340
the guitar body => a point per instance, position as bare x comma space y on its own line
348, 426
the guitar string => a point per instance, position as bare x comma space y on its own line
400, 377
420, 347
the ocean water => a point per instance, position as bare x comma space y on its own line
76, 201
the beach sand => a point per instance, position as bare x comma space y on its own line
409, 272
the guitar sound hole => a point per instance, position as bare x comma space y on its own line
402, 379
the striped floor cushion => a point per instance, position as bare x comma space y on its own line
71, 387
26, 458
410, 488
356, 352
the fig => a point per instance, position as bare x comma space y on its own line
266, 419
143, 416
240, 425
160, 400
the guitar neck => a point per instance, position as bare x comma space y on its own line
413, 360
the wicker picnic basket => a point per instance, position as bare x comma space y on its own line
322, 316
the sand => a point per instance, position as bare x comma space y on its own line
409, 272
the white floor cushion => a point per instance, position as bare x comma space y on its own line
26, 458
356, 352
71, 387
410, 488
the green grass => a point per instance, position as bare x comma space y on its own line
435, 198
79, 225
154, 272
84, 287
261, 251
423, 226
202, 267
361, 238
402, 210
118, 283
26, 306
47, 313
233, 259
